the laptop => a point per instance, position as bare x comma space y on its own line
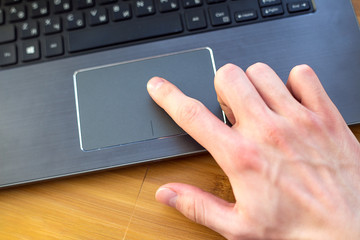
73, 73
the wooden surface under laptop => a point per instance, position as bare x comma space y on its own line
116, 204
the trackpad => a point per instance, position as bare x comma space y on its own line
114, 107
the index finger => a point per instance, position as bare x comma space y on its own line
191, 115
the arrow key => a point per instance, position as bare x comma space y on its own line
272, 11
245, 15
298, 6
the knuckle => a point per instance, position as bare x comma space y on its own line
257, 110
274, 133
247, 157
332, 123
307, 119
189, 111
318, 124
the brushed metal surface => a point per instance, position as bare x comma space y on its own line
38, 129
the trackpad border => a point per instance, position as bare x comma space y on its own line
114, 108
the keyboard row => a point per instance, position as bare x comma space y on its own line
78, 31
41, 8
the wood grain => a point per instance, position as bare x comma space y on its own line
356, 4
356, 130
115, 204
96, 206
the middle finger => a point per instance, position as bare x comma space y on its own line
237, 95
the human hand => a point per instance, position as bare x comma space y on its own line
292, 162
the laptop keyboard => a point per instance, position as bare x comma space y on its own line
34, 31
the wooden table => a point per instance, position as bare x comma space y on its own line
116, 204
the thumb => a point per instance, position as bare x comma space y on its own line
199, 206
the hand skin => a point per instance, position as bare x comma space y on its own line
292, 162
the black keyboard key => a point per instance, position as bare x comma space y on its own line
17, 13
120, 12
191, 3
245, 15
61, 6
9, 2
54, 46
1, 17
30, 50
8, 54
51, 25
195, 19
168, 5
219, 15
265, 3
298, 6
124, 32
144, 7
7, 33
272, 11
39, 8
98, 16
85, 3
28, 29
107, 1
75, 21
214, 1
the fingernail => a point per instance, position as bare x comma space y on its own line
154, 83
166, 196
